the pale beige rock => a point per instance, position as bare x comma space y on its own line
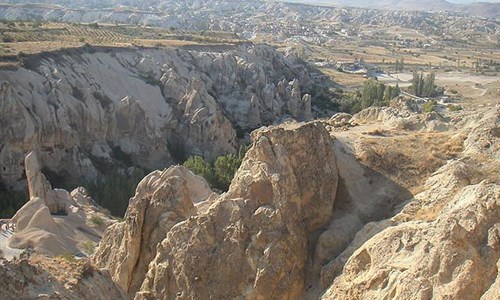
53, 221
253, 241
143, 108
162, 199
39, 187
39, 277
453, 257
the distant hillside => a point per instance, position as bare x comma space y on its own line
482, 9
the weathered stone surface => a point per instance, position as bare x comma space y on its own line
453, 257
84, 109
53, 221
39, 277
253, 241
444, 241
57, 201
162, 199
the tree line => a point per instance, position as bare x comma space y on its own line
425, 86
373, 93
220, 172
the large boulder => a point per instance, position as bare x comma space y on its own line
255, 240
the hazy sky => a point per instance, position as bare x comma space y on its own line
472, 1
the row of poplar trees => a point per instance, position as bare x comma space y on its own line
424, 86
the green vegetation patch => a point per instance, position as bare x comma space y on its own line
220, 172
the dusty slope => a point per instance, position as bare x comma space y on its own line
445, 238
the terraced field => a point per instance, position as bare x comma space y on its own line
17, 38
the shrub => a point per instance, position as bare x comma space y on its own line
220, 173
68, 257
452, 107
89, 247
97, 220
429, 106
224, 168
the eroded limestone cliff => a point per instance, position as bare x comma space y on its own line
86, 109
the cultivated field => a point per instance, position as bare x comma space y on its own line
35, 37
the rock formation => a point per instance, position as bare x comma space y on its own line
443, 243
55, 222
254, 240
57, 201
39, 277
162, 200
84, 109
454, 256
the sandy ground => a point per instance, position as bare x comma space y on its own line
7, 252
442, 78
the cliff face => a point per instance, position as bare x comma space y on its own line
255, 240
454, 256
87, 109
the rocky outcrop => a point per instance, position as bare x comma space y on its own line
163, 199
91, 109
402, 114
53, 221
443, 243
454, 256
57, 201
255, 240
48, 278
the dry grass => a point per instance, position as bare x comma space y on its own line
349, 81
408, 159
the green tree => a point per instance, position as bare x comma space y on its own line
372, 94
399, 65
224, 168
201, 167
114, 191
220, 173
390, 93
429, 89
417, 84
